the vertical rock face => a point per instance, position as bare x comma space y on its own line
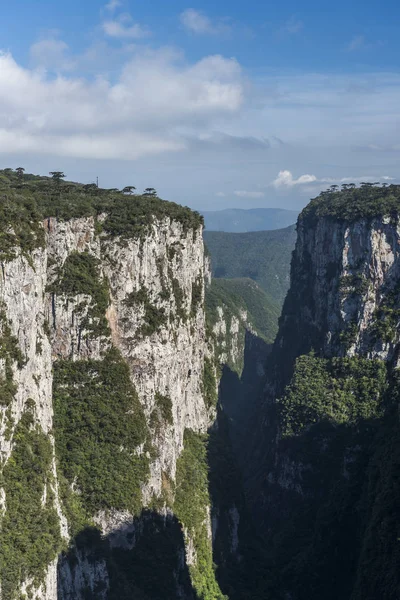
26, 393
69, 303
344, 281
330, 401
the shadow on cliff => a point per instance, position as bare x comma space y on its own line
142, 560
328, 511
242, 573
239, 395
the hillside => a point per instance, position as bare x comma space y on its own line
240, 220
244, 295
263, 256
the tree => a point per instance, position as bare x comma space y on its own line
334, 188
150, 192
20, 172
129, 189
57, 176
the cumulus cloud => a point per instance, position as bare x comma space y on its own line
248, 194
156, 97
197, 22
286, 179
123, 27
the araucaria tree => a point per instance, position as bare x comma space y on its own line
20, 172
129, 189
150, 192
57, 176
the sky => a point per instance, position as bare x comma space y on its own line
215, 104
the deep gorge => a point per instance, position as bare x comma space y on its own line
157, 443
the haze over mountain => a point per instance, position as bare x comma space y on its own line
240, 220
263, 256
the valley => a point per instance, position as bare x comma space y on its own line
183, 423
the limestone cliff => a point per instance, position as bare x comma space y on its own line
318, 489
102, 398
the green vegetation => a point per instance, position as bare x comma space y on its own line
354, 285
190, 507
197, 294
162, 412
154, 318
80, 274
179, 296
387, 316
210, 388
134, 216
352, 203
340, 390
30, 534
99, 425
10, 353
27, 199
20, 225
237, 295
263, 256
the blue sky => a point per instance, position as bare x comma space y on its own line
215, 104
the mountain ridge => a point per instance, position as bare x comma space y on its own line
242, 220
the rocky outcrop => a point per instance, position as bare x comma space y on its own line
342, 299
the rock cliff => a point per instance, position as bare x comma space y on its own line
102, 400
317, 487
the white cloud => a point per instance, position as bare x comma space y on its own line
156, 99
113, 5
124, 28
197, 22
51, 53
247, 194
220, 194
286, 179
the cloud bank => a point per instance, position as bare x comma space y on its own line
156, 100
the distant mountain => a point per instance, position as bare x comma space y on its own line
238, 294
263, 256
239, 220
